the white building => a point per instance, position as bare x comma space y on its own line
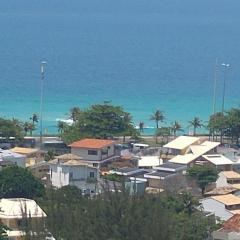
180, 145
68, 169
94, 151
13, 210
8, 157
203, 154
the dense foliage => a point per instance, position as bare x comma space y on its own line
99, 121
11, 128
203, 175
3, 229
119, 216
16, 182
226, 124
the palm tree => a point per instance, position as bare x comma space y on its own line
34, 118
61, 125
127, 119
31, 128
141, 126
176, 127
74, 113
157, 117
25, 127
195, 123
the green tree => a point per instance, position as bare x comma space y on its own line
162, 132
16, 182
3, 232
196, 123
100, 121
74, 113
49, 155
11, 128
203, 175
118, 215
141, 126
126, 121
233, 124
217, 124
61, 127
34, 118
157, 116
176, 127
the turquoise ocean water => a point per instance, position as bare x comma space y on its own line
141, 54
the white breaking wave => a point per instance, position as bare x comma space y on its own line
67, 121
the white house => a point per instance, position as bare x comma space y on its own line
201, 154
8, 157
68, 169
181, 144
94, 151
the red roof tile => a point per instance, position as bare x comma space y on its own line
233, 223
91, 143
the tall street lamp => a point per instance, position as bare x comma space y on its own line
43, 65
214, 86
226, 66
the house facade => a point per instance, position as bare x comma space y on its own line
180, 145
73, 172
94, 151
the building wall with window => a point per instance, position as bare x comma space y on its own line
94, 154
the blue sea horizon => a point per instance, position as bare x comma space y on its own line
142, 55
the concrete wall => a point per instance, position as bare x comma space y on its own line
19, 161
61, 176
223, 235
213, 206
221, 181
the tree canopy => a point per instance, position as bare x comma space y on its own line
196, 122
226, 124
3, 230
124, 217
203, 175
99, 121
157, 116
11, 128
16, 182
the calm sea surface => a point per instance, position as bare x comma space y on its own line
141, 54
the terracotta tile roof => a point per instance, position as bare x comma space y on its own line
232, 224
91, 143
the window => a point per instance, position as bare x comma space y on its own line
71, 175
95, 164
92, 152
91, 174
104, 152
